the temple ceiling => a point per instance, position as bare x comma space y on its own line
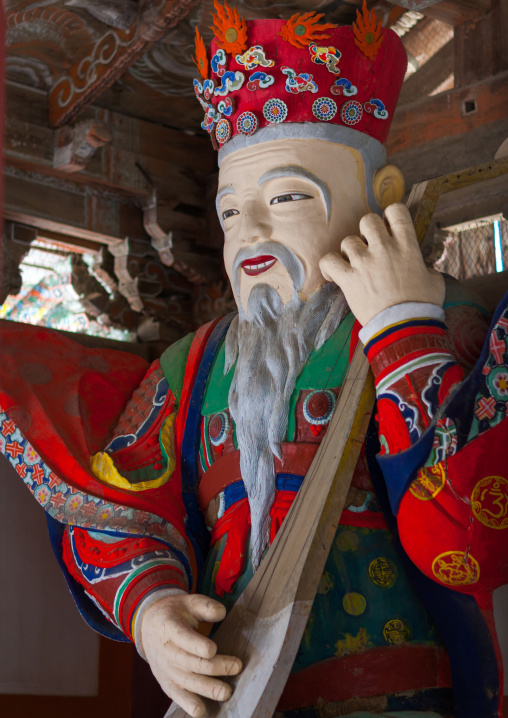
134, 56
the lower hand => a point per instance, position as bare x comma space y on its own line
385, 269
183, 661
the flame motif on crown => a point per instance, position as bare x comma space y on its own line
367, 32
265, 72
301, 30
201, 58
230, 29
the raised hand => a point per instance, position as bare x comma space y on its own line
184, 661
385, 269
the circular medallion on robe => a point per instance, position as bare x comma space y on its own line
489, 501
382, 572
456, 568
354, 603
428, 483
314, 411
218, 428
396, 631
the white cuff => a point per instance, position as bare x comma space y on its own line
400, 313
142, 608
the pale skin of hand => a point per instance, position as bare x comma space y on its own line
384, 268
184, 662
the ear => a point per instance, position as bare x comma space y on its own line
388, 185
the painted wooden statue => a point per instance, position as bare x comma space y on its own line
164, 485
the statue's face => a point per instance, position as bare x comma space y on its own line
307, 195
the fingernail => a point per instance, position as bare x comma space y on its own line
236, 666
226, 694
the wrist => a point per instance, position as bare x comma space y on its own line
404, 312
147, 603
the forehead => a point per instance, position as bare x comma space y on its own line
245, 168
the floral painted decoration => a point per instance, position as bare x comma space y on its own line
324, 109
367, 30
223, 131
298, 83
301, 30
376, 107
198, 89
218, 63
328, 56
351, 112
260, 80
247, 123
275, 111
254, 57
343, 86
226, 106
211, 117
230, 81
230, 29
201, 59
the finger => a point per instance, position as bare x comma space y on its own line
399, 221
353, 248
374, 229
333, 266
205, 686
205, 608
179, 633
190, 702
217, 666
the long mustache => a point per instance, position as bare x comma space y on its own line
293, 266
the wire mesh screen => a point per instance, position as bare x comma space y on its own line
475, 249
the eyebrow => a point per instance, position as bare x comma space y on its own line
295, 171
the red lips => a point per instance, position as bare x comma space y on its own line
258, 265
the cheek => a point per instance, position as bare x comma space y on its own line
229, 253
307, 234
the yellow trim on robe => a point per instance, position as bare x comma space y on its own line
103, 467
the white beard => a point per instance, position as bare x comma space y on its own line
271, 343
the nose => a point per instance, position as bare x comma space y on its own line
255, 224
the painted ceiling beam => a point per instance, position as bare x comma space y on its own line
111, 55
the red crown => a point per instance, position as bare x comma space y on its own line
267, 72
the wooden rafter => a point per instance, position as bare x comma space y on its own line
111, 56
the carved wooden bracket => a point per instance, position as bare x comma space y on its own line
128, 285
75, 146
111, 56
161, 241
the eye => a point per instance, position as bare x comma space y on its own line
229, 213
292, 197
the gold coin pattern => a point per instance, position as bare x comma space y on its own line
354, 603
490, 502
396, 631
428, 483
382, 572
347, 541
455, 568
